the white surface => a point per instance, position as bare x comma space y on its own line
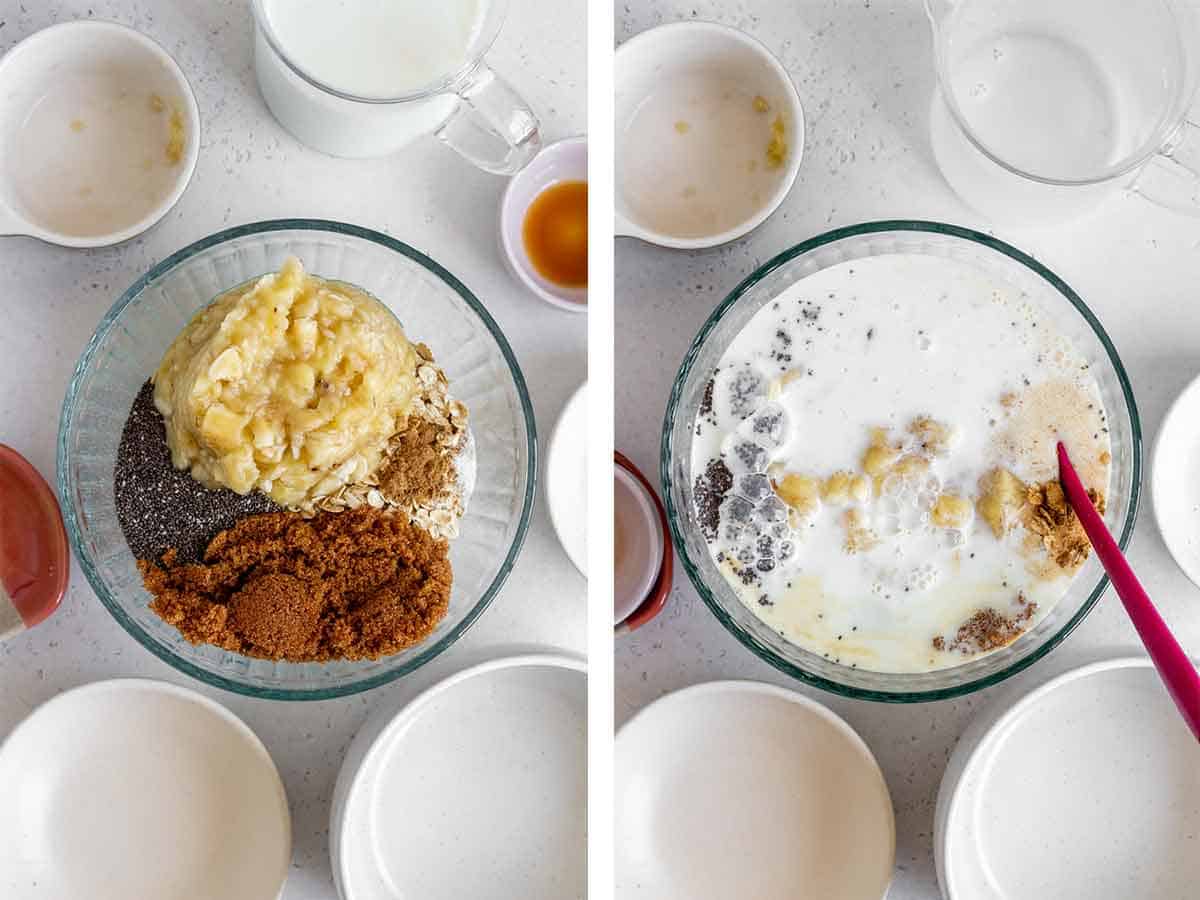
1175, 480
709, 183
85, 147
134, 788
250, 169
736, 789
561, 161
566, 478
1087, 788
476, 789
637, 543
865, 75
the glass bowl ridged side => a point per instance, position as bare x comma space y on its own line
1069, 314
433, 306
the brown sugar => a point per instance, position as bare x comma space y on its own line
359, 584
1049, 517
988, 629
418, 468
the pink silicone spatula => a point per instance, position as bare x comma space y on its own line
1174, 667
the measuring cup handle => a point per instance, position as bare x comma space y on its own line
492, 126
1172, 178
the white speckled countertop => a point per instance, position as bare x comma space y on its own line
864, 71
251, 169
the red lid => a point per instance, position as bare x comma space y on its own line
34, 561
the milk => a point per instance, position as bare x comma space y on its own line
877, 343
376, 48
369, 49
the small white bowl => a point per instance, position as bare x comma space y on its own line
692, 171
477, 788
638, 544
1175, 480
1086, 786
137, 788
565, 160
566, 478
84, 160
740, 789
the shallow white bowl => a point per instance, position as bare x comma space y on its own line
1085, 788
566, 478
476, 789
133, 788
740, 789
78, 53
1175, 480
565, 160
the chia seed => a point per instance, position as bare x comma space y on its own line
710, 490
159, 506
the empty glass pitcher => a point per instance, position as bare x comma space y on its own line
1046, 107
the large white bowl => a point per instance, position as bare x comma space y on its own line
140, 789
737, 789
476, 789
1085, 788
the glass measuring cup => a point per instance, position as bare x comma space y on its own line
1043, 108
469, 108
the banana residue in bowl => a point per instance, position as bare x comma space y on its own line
291, 385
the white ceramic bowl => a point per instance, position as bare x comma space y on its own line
705, 57
477, 788
565, 160
134, 788
80, 136
1175, 480
739, 789
1085, 788
566, 478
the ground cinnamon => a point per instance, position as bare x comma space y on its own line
418, 468
359, 584
989, 629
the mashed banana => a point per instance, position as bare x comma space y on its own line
291, 385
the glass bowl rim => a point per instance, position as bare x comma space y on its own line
759, 648
71, 517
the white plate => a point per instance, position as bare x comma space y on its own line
134, 788
566, 478
1175, 480
739, 789
477, 789
1086, 788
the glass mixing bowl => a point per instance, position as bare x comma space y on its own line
1000, 261
433, 306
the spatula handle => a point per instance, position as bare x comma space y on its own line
1174, 667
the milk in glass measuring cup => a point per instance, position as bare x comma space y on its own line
1045, 107
361, 78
